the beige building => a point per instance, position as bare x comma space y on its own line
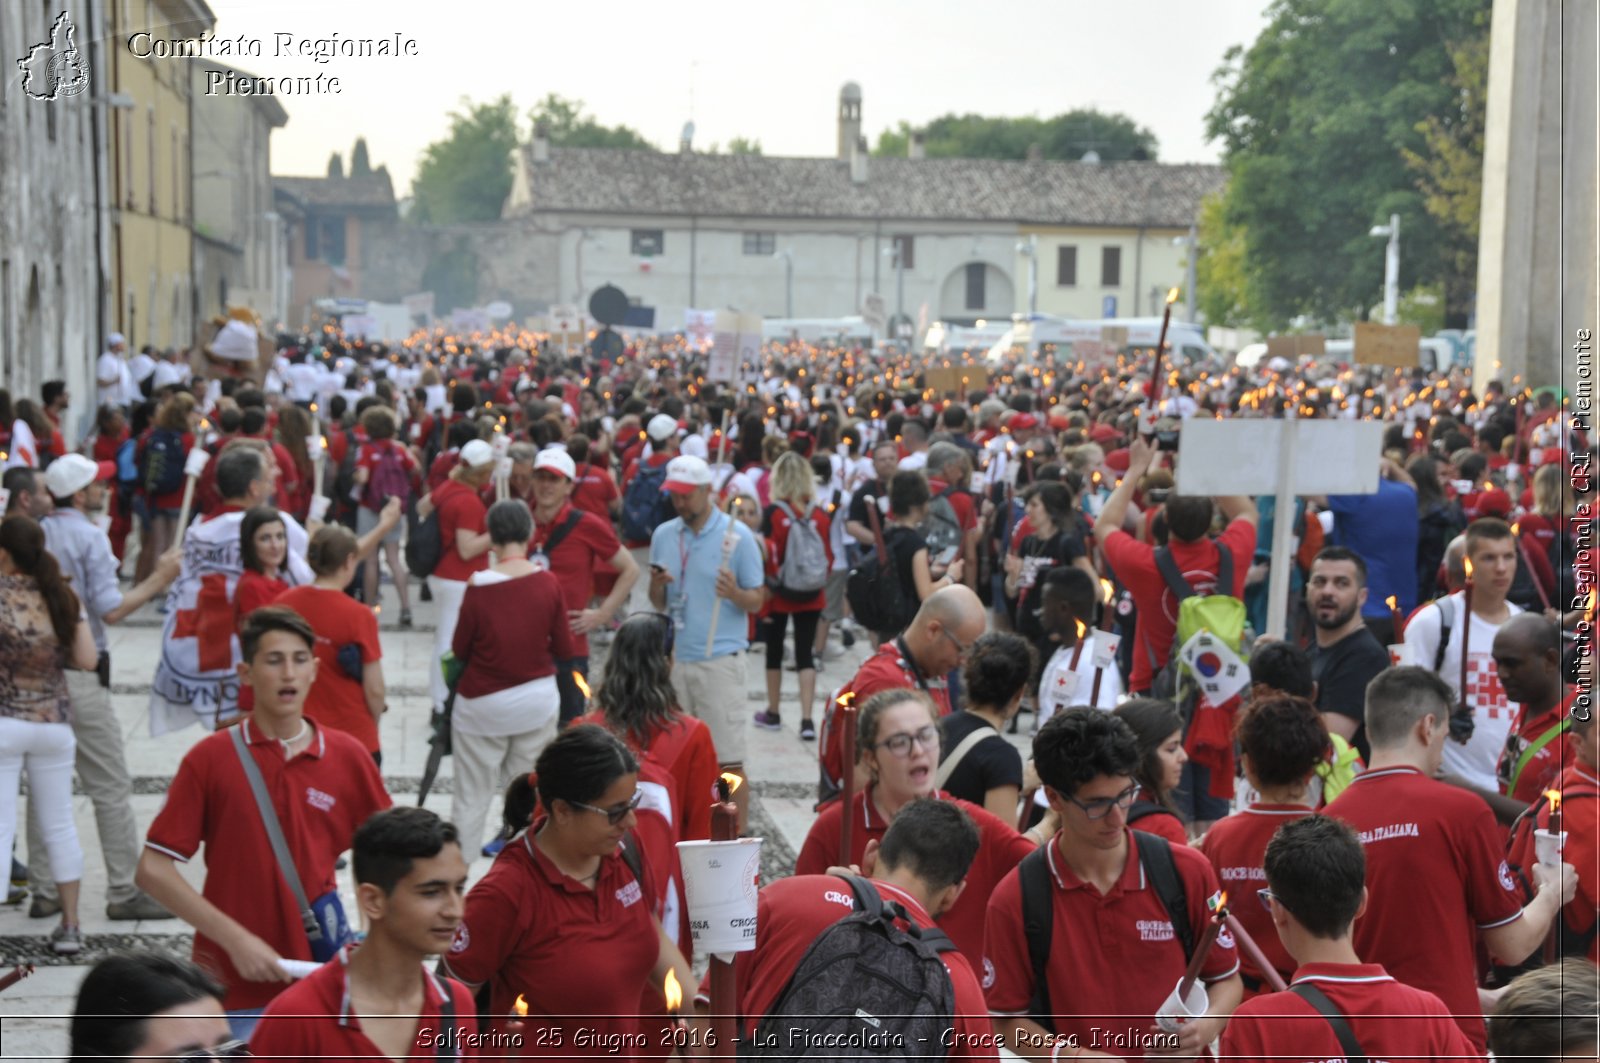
150, 178
1086, 270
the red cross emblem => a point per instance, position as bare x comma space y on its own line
1061, 680
212, 621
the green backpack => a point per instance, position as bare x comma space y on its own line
1221, 615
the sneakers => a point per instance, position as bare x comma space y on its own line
43, 907
16, 894
66, 940
768, 721
140, 906
405, 618
808, 730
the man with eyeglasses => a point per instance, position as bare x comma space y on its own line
1113, 952
570, 543
938, 641
1316, 889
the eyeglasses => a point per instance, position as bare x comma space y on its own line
1101, 807
613, 815
900, 744
963, 649
226, 1050
1266, 897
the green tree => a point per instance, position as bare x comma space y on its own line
567, 126
467, 175
1313, 118
1222, 288
744, 146
1067, 137
335, 165
360, 165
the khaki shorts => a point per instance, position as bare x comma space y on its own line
714, 691
834, 591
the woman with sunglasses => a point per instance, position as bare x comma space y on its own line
511, 632
561, 920
897, 738
1158, 725
639, 706
148, 1005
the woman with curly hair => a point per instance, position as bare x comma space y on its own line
987, 770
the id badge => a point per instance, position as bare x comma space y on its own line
539, 561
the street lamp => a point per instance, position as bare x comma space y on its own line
1391, 268
900, 285
788, 281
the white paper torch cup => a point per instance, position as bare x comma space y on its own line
195, 463
1548, 847
1400, 655
721, 880
1174, 1013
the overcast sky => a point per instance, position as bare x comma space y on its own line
739, 69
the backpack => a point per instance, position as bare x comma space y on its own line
161, 462
864, 983
877, 597
424, 544
803, 571
1520, 858
941, 527
344, 477
645, 506
1221, 615
389, 478
1038, 914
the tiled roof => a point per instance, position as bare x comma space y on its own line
608, 181
373, 190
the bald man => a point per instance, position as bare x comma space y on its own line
1527, 654
936, 643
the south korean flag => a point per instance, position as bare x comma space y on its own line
1215, 667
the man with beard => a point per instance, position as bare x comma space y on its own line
1346, 654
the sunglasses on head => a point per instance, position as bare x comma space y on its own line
669, 636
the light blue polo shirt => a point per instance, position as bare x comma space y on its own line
692, 561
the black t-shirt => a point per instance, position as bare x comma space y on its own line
1038, 557
902, 543
992, 762
858, 504
1342, 672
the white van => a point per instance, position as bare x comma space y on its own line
1186, 341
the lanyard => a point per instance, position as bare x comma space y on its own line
911, 664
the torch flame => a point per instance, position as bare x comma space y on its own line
1392, 602
1588, 611
672, 991
733, 781
520, 1007
1554, 797
582, 685
1107, 590
1172, 296
1467, 564
1081, 629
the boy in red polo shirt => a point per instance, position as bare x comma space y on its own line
1315, 891
377, 1000
1114, 952
323, 785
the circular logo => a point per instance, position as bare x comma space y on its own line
1509, 883
988, 973
462, 939
1225, 938
1208, 664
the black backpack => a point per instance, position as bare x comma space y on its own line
424, 543
1038, 915
645, 506
867, 984
161, 462
878, 597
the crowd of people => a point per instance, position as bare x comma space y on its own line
1095, 807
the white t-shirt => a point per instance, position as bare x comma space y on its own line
914, 461
1062, 687
170, 373
141, 365
122, 392
1492, 714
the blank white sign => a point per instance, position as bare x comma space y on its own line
1242, 457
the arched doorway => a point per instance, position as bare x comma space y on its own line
976, 290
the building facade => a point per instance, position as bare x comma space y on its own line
332, 242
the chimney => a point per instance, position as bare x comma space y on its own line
541, 142
849, 118
686, 139
1035, 153
917, 146
858, 162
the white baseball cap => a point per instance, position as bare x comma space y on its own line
477, 454
71, 473
556, 460
661, 428
685, 474
694, 445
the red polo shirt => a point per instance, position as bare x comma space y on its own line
888, 669
776, 529
1236, 846
1113, 956
579, 957
790, 915
593, 490
1390, 1020
314, 1019
684, 750
321, 797
1435, 870
1580, 819
591, 541
1543, 767
1000, 848
336, 699
1135, 565
460, 512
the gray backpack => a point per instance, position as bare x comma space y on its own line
941, 528
867, 984
804, 568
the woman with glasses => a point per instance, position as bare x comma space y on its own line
1158, 725
897, 737
562, 920
1281, 740
512, 630
148, 1005
639, 706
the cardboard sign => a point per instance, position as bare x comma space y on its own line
1105, 648
957, 379
1397, 345
1098, 356
1292, 347
1114, 336
737, 340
